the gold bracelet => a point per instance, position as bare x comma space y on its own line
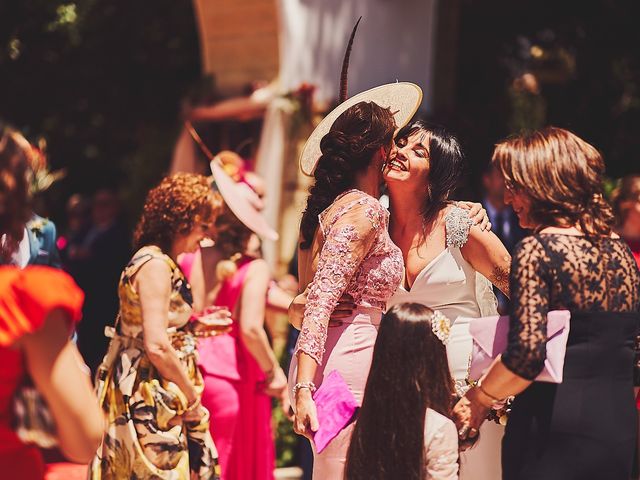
494, 400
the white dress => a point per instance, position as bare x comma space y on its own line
441, 447
450, 284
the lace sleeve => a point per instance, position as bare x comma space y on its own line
349, 236
458, 223
442, 453
530, 287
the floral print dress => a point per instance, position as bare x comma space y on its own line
146, 437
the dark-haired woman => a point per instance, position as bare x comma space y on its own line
403, 429
149, 383
345, 248
585, 427
447, 259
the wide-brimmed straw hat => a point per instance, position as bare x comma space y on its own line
239, 201
402, 98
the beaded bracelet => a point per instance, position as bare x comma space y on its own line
310, 385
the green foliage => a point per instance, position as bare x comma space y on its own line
102, 82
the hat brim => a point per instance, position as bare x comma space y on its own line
238, 201
403, 98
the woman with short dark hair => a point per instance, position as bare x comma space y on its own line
584, 427
450, 263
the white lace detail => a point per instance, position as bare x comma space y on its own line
458, 223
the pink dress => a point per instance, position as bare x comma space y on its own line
358, 258
233, 393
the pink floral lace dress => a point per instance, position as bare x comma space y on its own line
354, 255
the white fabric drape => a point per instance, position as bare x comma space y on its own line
395, 41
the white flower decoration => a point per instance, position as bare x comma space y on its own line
441, 326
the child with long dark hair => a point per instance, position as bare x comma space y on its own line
403, 430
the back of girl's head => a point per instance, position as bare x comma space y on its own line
409, 373
561, 175
347, 150
15, 208
445, 163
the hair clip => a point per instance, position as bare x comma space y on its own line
441, 326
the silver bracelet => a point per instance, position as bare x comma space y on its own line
310, 385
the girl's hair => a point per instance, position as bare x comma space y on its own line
445, 165
347, 150
15, 204
561, 174
232, 240
409, 373
627, 192
179, 203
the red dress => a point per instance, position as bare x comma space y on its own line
26, 298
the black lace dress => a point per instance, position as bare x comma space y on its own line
585, 427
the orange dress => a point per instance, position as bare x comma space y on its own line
26, 298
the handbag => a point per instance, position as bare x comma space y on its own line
32, 420
336, 407
489, 336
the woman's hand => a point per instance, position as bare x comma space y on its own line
468, 414
277, 384
213, 321
194, 416
305, 421
477, 213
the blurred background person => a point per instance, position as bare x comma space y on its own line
38, 307
70, 243
149, 383
104, 251
240, 369
626, 206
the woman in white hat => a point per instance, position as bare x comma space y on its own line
345, 249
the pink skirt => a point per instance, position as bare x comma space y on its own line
349, 350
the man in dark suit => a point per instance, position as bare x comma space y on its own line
504, 221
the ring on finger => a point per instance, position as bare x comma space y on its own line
463, 431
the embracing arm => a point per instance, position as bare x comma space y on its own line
57, 371
153, 283
487, 255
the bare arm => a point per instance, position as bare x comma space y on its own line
153, 283
56, 368
254, 336
487, 255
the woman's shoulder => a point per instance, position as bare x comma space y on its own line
353, 206
458, 223
27, 296
437, 426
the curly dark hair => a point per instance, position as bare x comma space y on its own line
179, 203
15, 201
562, 176
347, 150
446, 162
409, 373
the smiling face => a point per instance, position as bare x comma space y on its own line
521, 204
411, 162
